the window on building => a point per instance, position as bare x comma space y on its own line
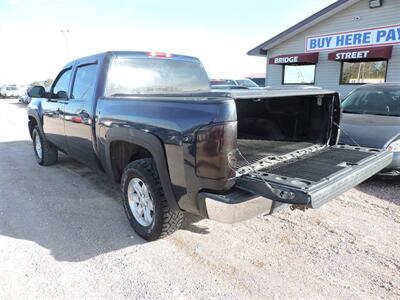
84, 82
298, 74
363, 72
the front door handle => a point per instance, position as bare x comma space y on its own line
84, 114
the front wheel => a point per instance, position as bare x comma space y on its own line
45, 153
144, 201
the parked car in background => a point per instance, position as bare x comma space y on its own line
24, 98
371, 118
228, 87
244, 82
260, 81
9, 91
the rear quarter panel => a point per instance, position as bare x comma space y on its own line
174, 121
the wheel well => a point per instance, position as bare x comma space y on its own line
31, 124
122, 153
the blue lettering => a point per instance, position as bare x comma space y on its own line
313, 44
366, 39
380, 35
321, 43
357, 38
348, 41
391, 36
328, 41
339, 40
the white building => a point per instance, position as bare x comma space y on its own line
348, 43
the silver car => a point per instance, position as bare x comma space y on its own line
371, 118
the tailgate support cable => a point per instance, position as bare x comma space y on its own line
279, 193
345, 133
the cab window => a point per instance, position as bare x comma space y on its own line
62, 82
84, 82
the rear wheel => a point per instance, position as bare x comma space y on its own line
45, 153
144, 201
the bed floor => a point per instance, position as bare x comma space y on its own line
255, 150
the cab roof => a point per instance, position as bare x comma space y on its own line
142, 54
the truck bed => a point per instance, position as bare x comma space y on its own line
256, 149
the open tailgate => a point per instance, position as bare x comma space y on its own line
317, 178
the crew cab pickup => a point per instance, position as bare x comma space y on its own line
151, 122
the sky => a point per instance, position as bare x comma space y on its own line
219, 32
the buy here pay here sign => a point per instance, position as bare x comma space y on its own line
387, 35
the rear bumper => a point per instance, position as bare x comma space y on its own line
237, 206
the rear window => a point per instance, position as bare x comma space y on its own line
141, 76
385, 101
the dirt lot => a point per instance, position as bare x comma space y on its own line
63, 233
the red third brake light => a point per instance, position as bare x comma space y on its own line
159, 54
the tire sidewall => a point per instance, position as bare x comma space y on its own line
36, 136
152, 231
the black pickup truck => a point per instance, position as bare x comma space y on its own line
151, 122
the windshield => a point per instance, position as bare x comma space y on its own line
11, 88
379, 101
137, 76
246, 83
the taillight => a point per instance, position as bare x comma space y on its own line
159, 54
215, 150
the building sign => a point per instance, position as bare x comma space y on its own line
360, 54
387, 35
298, 58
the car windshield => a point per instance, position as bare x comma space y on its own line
11, 88
246, 83
141, 76
377, 101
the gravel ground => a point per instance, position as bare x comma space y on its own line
63, 234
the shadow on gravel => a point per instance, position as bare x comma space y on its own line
188, 224
112, 190
66, 208
383, 188
19, 104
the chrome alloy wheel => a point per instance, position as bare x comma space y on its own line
140, 202
38, 146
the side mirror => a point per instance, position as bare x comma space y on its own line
36, 91
62, 95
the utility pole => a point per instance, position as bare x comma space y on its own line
65, 32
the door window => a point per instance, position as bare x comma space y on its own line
62, 82
84, 82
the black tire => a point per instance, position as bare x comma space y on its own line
164, 219
49, 153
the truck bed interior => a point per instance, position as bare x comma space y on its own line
270, 128
278, 126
